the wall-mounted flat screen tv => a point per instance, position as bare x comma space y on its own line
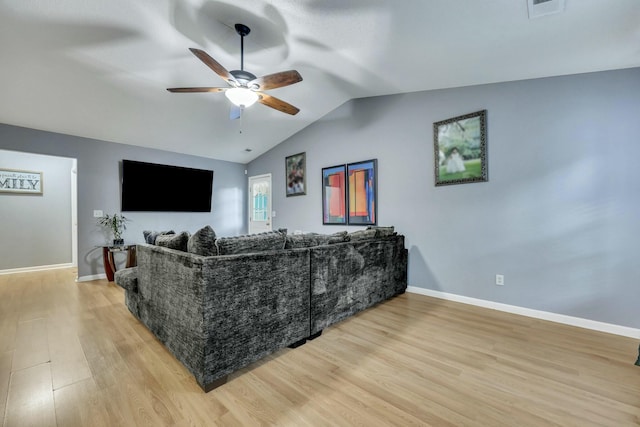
153, 187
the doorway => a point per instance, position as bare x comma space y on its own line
260, 204
43, 228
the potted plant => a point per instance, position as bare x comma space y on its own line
116, 224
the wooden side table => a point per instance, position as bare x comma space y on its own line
109, 263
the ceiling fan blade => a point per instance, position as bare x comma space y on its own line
196, 89
278, 104
276, 80
214, 65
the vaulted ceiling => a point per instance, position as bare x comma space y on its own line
99, 69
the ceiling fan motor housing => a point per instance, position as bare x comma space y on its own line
243, 77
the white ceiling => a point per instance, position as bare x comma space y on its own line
99, 69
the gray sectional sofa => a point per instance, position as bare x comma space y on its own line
219, 313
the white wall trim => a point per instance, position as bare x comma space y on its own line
91, 278
538, 314
36, 268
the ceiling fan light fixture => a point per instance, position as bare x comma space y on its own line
242, 97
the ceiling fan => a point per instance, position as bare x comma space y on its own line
245, 88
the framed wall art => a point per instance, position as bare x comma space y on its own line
362, 192
295, 168
20, 182
334, 190
460, 149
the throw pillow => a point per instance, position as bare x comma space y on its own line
268, 241
309, 240
174, 241
382, 231
339, 237
151, 236
203, 242
362, 235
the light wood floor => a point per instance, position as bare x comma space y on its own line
72, 355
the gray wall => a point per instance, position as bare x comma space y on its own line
559, 216
37, 227
99, 188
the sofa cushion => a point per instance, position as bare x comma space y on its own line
203, 242
309, 240
362, 235
383, 231
268, 241
150, 236
174, 241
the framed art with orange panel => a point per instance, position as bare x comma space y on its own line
362, 189
334, 190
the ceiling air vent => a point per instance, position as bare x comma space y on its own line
538, 8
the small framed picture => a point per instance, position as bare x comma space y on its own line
460, 149
334, 190
295, 168
362, 184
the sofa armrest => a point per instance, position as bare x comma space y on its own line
255, 304
349, 277
218, 314
127, 279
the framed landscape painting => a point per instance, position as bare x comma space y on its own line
334, 195
362, 192
295, 166
460, 149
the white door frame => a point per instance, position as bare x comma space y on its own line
74, 213
252, 225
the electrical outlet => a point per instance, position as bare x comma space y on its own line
499, 279
98, 214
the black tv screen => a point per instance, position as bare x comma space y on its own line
152, 187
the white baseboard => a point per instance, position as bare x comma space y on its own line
36, 268
538, 314
91, 278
